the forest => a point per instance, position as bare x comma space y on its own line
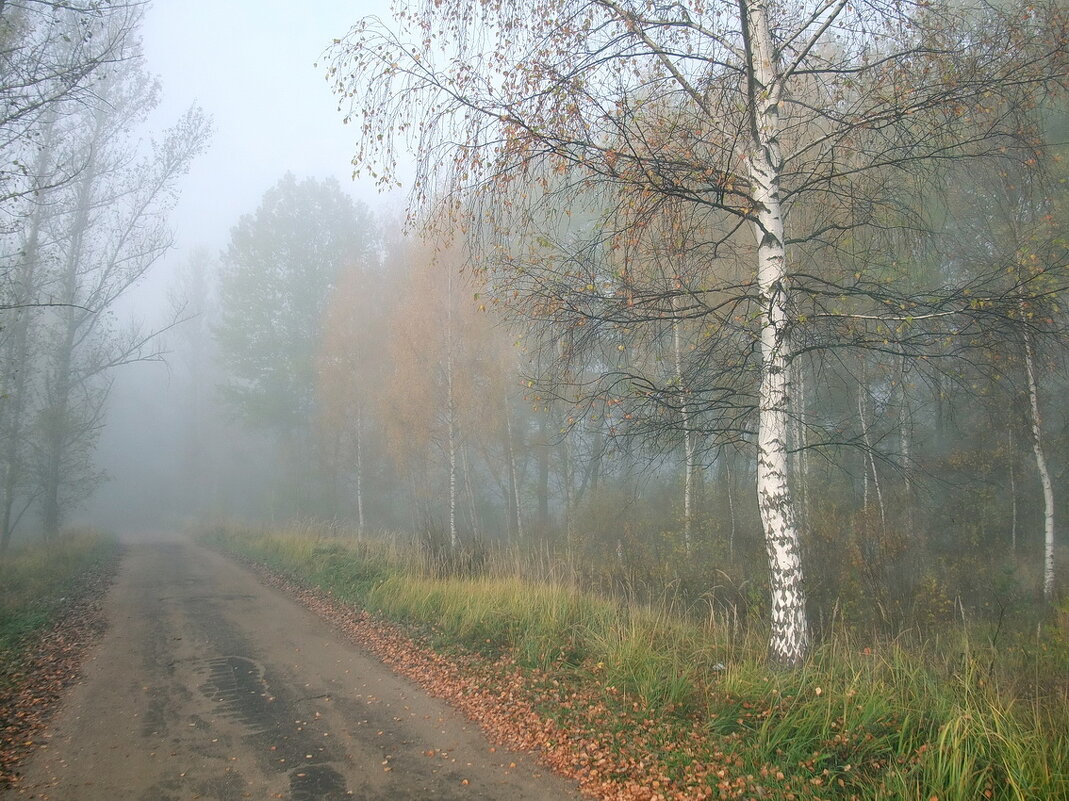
747, 318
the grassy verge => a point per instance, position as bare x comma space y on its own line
690, 705
36, 583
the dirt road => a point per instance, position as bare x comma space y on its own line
209, 685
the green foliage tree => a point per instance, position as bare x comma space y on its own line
278, 272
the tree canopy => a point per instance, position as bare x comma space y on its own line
278, 271
743, 163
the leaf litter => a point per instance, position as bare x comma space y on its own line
34, 683
606, 748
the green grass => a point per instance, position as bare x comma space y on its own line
863, 719
35, 584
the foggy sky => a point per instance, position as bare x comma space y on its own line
250, 64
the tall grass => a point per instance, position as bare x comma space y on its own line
864, 718
36, 581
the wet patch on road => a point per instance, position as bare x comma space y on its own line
236, 685
317, 782
240, 690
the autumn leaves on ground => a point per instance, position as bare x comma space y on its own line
49, 613
634, 701
641, 702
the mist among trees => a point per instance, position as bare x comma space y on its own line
86, 196
763, 303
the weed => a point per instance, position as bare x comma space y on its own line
863, 719
35, 584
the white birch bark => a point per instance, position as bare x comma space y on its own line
359, 471
688, 441
905, 436
789, 641
1041, 466
870, 460
514, 481
731, 511
451, 411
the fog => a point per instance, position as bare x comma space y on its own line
623, 313
252, 67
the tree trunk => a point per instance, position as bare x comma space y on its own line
454, 539
17, 371
56, 436
360, 469
1044, 473
905, 434
595, 461
57, 416
870, 460
543, 474
469, 489
567, 478
514, 483
17, 354
789, 642
688, 441
731, 510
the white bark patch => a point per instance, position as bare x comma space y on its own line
1044, 473
789, 642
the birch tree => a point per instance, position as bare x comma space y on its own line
1014, 219
347, 374
741, 113
444, 385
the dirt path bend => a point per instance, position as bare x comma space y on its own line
209, 685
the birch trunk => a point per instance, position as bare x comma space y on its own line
514, 481
789, 641
451, 411
905, 436
1044, 473
731, 511
360, 470
870, 460
688, 441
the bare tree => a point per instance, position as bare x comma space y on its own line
97, 224
51, 56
